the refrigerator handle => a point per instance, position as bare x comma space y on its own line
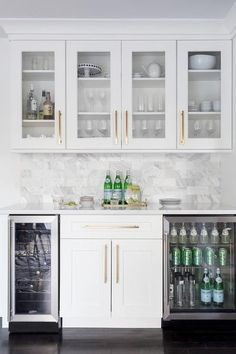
166, 304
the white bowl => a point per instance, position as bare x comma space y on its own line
202, 62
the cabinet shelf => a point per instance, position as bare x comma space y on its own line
148, 82
38, 75
38, 121
93, 79
204, 115
149, 113
204, 75
93, 113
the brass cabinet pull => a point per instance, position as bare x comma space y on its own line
126, 127
59, 128
105, 265
182, 128
116, 127
99, 226
117, 264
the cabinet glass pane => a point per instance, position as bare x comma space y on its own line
32, 268
148, 71
93, 120
38, 119
204, 95
194, 247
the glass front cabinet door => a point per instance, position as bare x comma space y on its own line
38, 94
204, 95
93, 95
149, 95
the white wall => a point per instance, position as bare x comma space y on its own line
9, 163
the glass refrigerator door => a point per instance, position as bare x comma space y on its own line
199, 253
34, 280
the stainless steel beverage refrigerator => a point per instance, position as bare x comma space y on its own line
199, 268
34, 273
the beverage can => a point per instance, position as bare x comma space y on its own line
197, 256
209, 256
187, 256
176, 256
223, 256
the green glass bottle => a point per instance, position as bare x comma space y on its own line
218, 291
117, 188
206, 289
127, 182
107, 188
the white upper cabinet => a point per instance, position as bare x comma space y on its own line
93, 95
204, 95
149, 95
38, 94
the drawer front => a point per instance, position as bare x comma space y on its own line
110, 226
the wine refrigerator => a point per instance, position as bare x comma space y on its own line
34, 273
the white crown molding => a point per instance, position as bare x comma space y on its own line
16, 28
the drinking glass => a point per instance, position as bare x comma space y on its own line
102, 126
90, 97
89, 126
210, 127
141, 103
197, 127
102, 96
158, 127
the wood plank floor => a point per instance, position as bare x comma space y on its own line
120, 341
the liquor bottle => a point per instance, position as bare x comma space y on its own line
41, 105
173, 234
48, 107
215, 235
205, 289
127, 182
193, 237
117, 189
32, 104
218, 291
107, 188
204, 235
183, 234
212, 281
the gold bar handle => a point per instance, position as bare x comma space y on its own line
182, 128
59, 127
126, 128
117, 264
116, 127
105, 265
100, 226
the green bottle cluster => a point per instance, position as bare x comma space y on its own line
116, 190
212, 289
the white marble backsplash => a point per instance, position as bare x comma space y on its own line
191, 177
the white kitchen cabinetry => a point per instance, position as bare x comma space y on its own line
85, 278
149, 97
204, 97
94, 102
137, 285
37, 66
107, 280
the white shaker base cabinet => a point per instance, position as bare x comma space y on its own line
136, 286
109, 280
85, 290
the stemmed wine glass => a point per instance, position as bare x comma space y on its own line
197, 127
90, 97
102, 96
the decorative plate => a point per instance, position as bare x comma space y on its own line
91, 68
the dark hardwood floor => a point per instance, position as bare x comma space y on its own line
121, 341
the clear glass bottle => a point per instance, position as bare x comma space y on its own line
183, 234
218, 291
107, 188
48, 108
32, 104
215, 238
193, 236
204, 235
41, 105
173, 234
192, 291
225, 235
179, 287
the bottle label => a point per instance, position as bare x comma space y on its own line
47, 110
34, 105
218, 296
107, 194
117, 194
206, 295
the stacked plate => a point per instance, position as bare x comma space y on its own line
170, 202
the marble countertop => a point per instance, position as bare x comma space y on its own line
152, 209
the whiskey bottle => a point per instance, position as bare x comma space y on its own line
48, 107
